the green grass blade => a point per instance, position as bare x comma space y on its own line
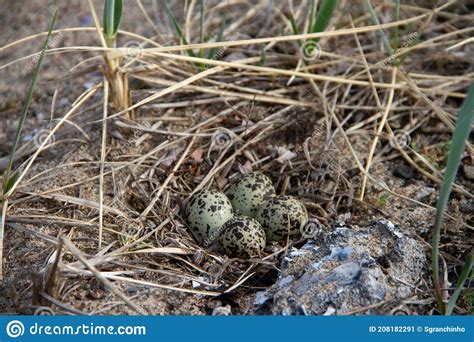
375, 20
176, 26
10, 179
201, 26
460, 285
26, 106
396, 29
294, 27
461, 132
312, 12
219, 38
396, 40
323, 16
111, 20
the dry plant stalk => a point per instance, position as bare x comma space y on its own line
119, 92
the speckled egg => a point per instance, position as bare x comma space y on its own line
250, 192
207, 211
242, 236
282, 216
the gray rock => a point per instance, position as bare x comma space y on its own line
350, 268
235, 56
467, 206
222, 311
468, 171
424, 193
403, 171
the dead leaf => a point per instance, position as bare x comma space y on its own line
197, 155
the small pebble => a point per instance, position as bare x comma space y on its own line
424, 193
403, 171
468, 171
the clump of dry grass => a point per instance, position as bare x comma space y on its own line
319, 127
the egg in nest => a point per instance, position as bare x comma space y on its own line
282, 216
242, 236
249, 193
207, 211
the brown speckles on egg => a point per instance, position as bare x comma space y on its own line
248, 194
207, 211
242, 236
282, 216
